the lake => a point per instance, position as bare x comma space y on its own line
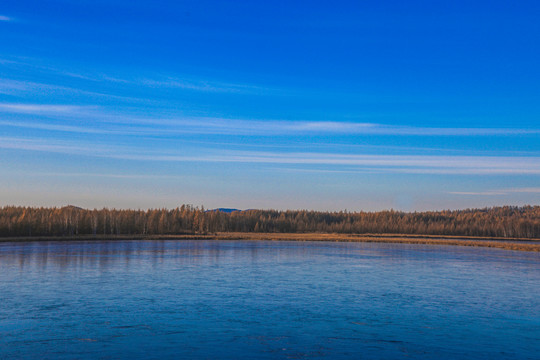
266, 300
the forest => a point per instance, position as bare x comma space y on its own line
504, 222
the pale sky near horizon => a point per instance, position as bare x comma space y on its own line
413, 105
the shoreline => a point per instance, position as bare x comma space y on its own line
516, 244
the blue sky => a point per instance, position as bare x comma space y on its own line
411, 105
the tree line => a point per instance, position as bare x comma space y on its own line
506, 221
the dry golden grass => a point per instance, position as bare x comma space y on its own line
507, 244
533, 245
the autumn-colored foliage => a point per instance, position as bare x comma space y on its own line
507, 222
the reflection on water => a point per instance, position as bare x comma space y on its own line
274, 300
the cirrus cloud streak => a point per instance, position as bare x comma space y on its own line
129, 124
412, 164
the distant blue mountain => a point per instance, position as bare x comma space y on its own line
225, 210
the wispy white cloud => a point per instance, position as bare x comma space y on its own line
449, 131
479, 193
55, 127
24, 88
190, 83
151, 80
16, 87
383, 129
126, 123
414, 164
59, 146
109, 175
509, 191
42, 109
37, 64
5, 18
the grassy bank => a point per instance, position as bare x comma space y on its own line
499, 243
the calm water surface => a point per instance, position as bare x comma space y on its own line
266, 300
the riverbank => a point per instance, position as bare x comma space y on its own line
516, 244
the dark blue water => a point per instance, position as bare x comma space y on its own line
266, 300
